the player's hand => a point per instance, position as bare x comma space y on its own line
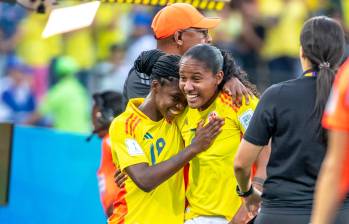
120, 178
237, 90
253, 202
242, 216
205, 135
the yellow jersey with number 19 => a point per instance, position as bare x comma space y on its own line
211, 188
135, 139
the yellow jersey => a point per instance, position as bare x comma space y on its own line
135, 139
211, 189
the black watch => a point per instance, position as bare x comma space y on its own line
244, 194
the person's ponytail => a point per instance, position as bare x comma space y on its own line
324, 81
322, 40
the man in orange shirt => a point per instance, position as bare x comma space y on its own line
107, 105
333, 182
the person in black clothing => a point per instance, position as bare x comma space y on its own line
288, 116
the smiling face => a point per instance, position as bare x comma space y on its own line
169, 99
198, 83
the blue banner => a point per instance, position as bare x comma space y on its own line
53, 178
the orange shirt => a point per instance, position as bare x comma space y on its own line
336, 116
107, 188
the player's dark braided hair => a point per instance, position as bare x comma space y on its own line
158, 65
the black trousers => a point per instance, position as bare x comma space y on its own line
274, 218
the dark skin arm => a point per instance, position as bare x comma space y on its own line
149, 177
237, 90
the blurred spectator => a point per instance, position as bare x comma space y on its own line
345, 11
16, 96
110, 27
66, 102
36, 51
281, 46
336, 10
10, 16
80, 46
106, 75
249, 38
141, 38
228, 30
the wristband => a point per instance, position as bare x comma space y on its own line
244, 194
258, 180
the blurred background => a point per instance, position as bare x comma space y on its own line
262, 35
52, 171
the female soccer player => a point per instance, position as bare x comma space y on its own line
211, 189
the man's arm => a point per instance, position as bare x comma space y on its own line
327, 194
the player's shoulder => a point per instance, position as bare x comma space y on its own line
119, 122
224, 102
226, 106
121, 118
